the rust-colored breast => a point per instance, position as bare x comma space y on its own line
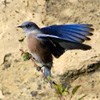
35, 46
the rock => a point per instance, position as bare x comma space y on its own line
7, 65
34, 93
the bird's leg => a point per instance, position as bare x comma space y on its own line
47, 75
47, 72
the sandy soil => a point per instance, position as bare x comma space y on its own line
18, 79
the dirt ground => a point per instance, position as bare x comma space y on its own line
19, 80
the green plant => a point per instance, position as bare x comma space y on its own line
60, 90
74, 91
26, 56
63, 92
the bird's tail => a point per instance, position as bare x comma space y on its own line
81, 46
71, 46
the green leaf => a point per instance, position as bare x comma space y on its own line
26, 56
82, 97
59, 89
65, 92
49, 78
37, 75
75, 89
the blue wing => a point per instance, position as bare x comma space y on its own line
70, 32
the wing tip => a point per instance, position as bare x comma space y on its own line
91, 29
91, 25
90, 34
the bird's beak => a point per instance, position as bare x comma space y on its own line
19, 26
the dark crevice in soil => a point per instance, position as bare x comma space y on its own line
72, 75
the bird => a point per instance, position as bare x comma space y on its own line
52, 41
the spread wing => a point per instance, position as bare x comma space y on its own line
71, 32
57, 45
59, 38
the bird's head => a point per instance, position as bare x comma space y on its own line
28, 27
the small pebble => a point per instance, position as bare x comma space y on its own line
39, 87
34, 93
6, 65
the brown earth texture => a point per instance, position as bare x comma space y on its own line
19, 80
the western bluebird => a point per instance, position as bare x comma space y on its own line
46, 42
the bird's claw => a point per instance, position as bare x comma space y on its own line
51, 83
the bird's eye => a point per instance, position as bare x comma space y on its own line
28, 25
